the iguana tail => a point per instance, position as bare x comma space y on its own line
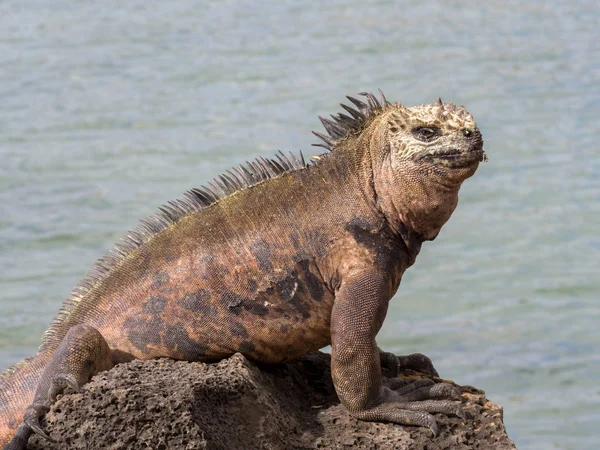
17, 388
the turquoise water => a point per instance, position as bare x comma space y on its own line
108, 109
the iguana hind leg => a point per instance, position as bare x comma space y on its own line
82, 353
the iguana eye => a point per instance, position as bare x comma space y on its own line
426, 134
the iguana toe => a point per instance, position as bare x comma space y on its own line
421, 391
444, 390
35, 427
396, 413
63, 380
447, 407
435, 430
32, 420
404, 386
390, 362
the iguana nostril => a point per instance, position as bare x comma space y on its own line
466, 132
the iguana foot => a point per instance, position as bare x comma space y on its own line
36, 410
418, 362
415, 361
82, 353
412, 404
33, 413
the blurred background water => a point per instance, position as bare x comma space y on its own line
108, 109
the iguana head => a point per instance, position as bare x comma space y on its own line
415, 157
440, 139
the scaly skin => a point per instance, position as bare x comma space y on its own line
276, 260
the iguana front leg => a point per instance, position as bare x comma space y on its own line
358, 312
82, 353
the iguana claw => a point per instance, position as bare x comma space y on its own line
32, 420
435, 429
35, 427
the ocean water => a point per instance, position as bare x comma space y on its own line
108, 109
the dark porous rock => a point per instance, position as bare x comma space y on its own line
238, 404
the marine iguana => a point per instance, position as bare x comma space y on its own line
273, 259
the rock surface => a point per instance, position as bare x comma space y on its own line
237, 404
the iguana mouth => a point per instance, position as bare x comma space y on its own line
452, 154
455, 155
457, 158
